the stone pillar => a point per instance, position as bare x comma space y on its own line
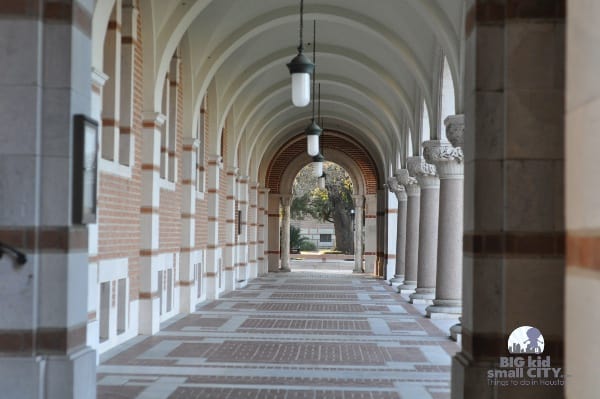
45, 81
242, 249
229, 253
187, 279
448, 161
262, 248
400, 194
150, 221
273, 234
513, 254
582, 319
413, 206
359, 201
253, 231
390, 236
428, 229
214, 254
286, 202
369, 234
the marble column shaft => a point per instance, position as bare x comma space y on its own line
449, 164
286, 202
429, 182
400, 259
413, 206
359, 201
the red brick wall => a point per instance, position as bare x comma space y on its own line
119, 199
170, 201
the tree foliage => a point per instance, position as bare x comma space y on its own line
333, 204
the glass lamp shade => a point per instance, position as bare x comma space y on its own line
300, 89
312, 144
317, 168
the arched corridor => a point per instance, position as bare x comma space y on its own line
147, 155
320, 333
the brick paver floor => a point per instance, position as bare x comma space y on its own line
299, 335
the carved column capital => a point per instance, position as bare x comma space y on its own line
286, 200
410, 183
359, 201
447, 158
395, 187
425, 173
455, 129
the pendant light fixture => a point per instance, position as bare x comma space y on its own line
318, 165
301, 68
313, 131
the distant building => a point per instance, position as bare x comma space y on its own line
322, 234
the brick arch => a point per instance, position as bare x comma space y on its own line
296, 147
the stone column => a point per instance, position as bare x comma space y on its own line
262, 248
273, 230
286, 202
413, 206
428, 229
369, 234
242, 250
150, 224
448, 161
187, 279
513, 258
45, 81
214, 253
229, 252
359, 201
400, 193
253, 231
390, 235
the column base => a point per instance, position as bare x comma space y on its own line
445, 309
357, 271
396, 280
422, 296
286, 269
407, 287
456, 333
70, 376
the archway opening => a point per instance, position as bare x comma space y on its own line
322, 215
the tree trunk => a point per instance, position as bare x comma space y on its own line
343, 230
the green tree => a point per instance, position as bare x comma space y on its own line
332, 204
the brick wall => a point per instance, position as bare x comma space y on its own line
119, 198
170, 201
202, 204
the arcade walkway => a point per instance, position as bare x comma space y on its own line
301, 335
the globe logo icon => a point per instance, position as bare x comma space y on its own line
526, 339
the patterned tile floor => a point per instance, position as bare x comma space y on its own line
299, 335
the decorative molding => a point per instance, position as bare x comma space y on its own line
403, 177
455, 129
396, 188
417, 166
438, 151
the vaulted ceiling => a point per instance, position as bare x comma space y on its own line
377, 62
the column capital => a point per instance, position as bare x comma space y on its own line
455, 129
264, 190
151, 117
232, 170
395, 187
447, 158
410, 183
286, 199
191, 142
215, 160
99, 78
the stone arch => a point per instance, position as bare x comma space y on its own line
339, 143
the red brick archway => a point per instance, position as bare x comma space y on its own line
296, 147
